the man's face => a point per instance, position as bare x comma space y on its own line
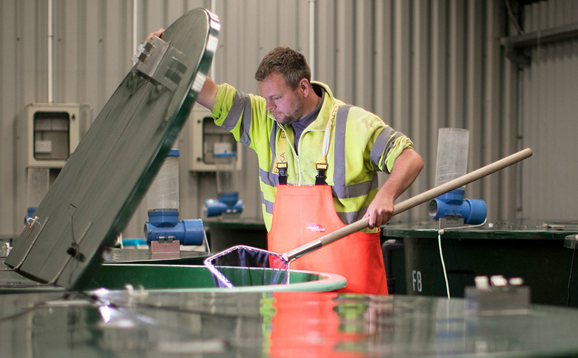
285, 104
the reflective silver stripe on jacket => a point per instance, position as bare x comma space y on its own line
385, 139
340, 190
268, 204
268, 178
354, 190
241, 106
339, 152
352, 217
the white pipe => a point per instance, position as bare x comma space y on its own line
214, 11
134, 25
50, 51
312, 36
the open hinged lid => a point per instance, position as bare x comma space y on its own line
104, 180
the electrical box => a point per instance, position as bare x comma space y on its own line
49, 133
208, 139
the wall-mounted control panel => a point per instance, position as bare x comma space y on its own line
49, 133
208, 139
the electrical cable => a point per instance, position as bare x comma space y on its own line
440, 233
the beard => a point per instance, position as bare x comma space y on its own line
294, 116
288, 119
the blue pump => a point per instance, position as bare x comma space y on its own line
164, 225
473, 211
228, 203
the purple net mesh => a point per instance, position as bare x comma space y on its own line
247, 266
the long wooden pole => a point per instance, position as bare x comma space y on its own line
416, 200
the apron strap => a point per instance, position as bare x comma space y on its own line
282, 168
281, 165
321, 176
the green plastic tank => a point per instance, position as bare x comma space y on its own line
531, 249
198, 278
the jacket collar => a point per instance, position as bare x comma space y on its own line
320, 123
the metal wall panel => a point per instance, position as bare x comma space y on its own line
421, 104
548, 115
8, 109
418, 64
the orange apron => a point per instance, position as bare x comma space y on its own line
304, 213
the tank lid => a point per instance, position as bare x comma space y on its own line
102, 184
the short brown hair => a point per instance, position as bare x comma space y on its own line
291, 64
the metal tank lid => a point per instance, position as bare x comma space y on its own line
103, 182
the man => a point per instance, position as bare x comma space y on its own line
318, 162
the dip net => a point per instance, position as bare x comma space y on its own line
247, 266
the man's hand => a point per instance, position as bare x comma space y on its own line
208, 93
406, 168
159, 33
380, 210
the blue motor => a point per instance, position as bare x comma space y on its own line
228, 203
164, 225
227, 187
453, 204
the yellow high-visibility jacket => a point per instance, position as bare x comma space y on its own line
360, 145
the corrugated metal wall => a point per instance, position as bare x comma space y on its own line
549, 114
420, 65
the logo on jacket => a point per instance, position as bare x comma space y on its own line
315, 228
